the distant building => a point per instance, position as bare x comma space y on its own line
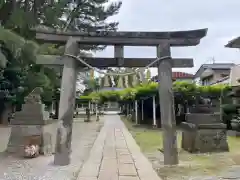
233, 79
235, 72
178, 76
209, 74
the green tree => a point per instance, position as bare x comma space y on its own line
18, 55
79, 15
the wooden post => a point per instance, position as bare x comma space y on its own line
167, 106
142, 110
136, 111
154, 112
52, 107
66, 106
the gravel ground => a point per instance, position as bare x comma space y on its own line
41, 168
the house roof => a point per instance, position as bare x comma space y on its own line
177, 75
234, 43
213, 66
182, 75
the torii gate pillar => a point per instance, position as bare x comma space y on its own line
167, 106
66, 105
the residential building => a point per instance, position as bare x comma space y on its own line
209, 74
235, 72
178, 76
234, 78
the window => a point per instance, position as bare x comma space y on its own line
223, 75
206, 82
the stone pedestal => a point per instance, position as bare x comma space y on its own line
19, 134
204, 133
32, 121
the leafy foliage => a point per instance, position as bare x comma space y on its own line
186, 89
18, 72
21, 75
230, 108
80, 15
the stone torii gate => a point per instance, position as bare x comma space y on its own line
161, 40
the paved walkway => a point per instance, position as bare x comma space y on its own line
116, 156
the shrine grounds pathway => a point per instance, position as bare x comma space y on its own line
116, 156
111, 154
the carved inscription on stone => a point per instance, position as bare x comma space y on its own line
214, 139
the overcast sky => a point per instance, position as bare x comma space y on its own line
221, 17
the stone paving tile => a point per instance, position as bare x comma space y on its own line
125, 159
109, 164
129, 178
127, 170
107, 175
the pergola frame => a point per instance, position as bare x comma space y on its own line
161, 40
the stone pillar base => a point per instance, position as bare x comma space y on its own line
154, 126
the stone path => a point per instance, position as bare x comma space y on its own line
41, 168
116, 156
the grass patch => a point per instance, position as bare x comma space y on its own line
150, 141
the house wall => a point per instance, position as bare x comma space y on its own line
235, 76
222, 81
217, 75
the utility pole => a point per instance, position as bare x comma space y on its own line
213, 60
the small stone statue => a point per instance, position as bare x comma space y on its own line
34, 97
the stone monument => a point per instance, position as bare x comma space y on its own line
203, 130
32, 122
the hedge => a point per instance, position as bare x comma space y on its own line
186, 89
